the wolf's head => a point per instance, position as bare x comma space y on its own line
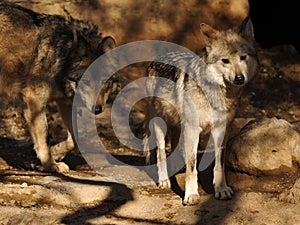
86, 52
230, 55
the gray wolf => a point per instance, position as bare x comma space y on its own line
228, 61
42, 58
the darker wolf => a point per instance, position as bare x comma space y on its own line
42, 58
228, 62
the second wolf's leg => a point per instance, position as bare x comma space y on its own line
190, 135
60, 150
163, 178
222, 190
35, 99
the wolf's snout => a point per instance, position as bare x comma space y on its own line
97, 109
239, 79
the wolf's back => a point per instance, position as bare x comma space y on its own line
39, 47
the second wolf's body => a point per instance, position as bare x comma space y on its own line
194, 104
42, 58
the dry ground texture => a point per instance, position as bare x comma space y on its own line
121, 194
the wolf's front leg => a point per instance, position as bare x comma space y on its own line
222, 190
190, 139
36, 119
60, 150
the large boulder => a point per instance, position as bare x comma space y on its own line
265, 147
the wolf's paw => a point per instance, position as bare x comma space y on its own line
56, 167
191, 199
165, 184
223, 192
61, 167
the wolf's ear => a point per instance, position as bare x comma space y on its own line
246, 30
208, 32
107, 44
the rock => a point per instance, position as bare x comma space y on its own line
237, 124
265, 147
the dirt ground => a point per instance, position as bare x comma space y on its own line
118, 194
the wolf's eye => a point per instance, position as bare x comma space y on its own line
225, 61
243, 57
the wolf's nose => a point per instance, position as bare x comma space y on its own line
97, 109
239, 79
